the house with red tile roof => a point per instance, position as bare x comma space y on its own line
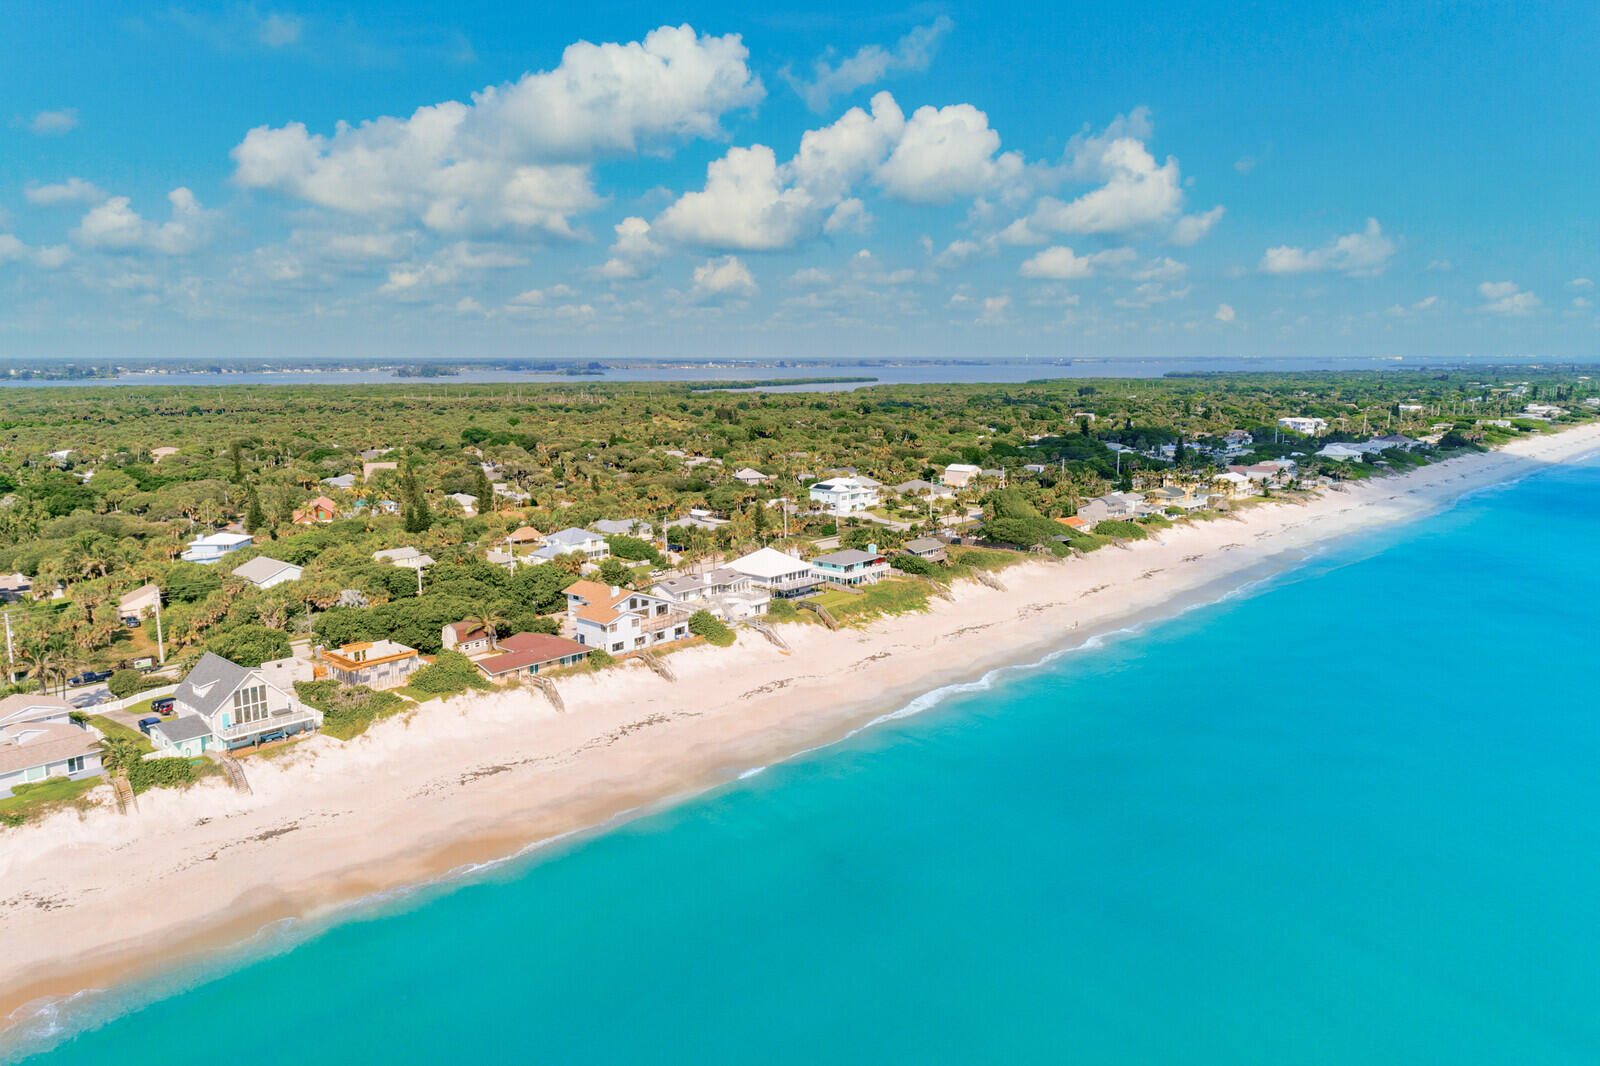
526, 654
320, 509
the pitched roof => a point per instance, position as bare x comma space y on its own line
523, 535
464, 631
210, 683
768, 563
531, 649
139, 597
47, 742
540, 642
594, 612
184, 727
595, 592
573, 535
263, 568
923, 544
29, 706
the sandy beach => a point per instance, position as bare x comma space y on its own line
101, 899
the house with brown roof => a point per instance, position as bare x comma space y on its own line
526, 654
620, 620
468, 638
33, 751
320, 509
524, 537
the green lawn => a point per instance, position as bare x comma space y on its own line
117, 729
29, 801
888, 597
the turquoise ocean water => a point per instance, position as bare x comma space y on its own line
1350, 816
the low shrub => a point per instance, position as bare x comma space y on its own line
705, 624
1117, 527
449, 673
145, 774
782, 610
912, 564
347, 712
127, 682
599, 659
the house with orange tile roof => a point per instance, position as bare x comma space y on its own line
320, 509
619, 620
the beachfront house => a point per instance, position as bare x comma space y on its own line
851, 567
32, 751
959, 475
377, 664
213, 546
237, 706
926, 548
33, 708
527, 654
264, 572
844, 495
1234, 484
468, 638
724, 591
780, 574
621, 620
135, 606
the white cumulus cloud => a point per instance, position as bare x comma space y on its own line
114, 226
1190, 229
54, 123
720, 280
71, 191
1506, 298
634, 254
1224, 313
1356, 254
1060, 263
519, 155
945, 153
830, 78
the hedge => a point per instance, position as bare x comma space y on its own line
449, 673
127, 682
1117, 527
146, 774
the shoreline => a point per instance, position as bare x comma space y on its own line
426, 799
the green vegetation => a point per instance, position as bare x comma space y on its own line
145, 774
1122, 530
41, 797
705, 624
125, 683
891, 596
599, 659
117, 731
449, 673
347, 712
576, 451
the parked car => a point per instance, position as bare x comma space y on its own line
161, 705
90, 677
146, 723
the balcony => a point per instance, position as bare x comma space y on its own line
294, 717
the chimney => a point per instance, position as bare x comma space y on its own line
872, 549
616, 590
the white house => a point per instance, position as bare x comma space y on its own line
410, 558
751, 476
264, 572
1234, 484
1342, 452
1309, 426
142, 601
725, 592
778, 573
592, 546
221, 704
957, 475
468, 638
844, 495
467, 502
619, 620
212, 547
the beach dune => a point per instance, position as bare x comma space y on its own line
100, 899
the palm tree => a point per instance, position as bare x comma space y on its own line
118, 753
488, 618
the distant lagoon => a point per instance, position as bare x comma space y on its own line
908, 373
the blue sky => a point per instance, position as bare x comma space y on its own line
990, 179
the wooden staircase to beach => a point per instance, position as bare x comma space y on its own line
770, 633
126, 800
655, 662
820, 611
548, 687
235, 773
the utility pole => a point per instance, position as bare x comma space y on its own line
161, 642
11, 669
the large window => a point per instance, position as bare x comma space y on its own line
250, 704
